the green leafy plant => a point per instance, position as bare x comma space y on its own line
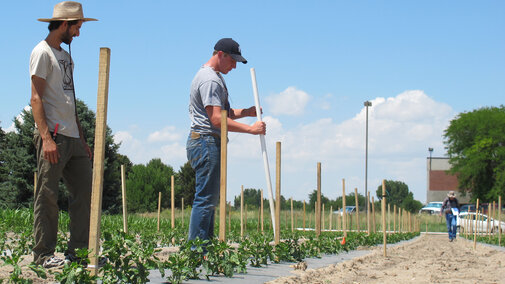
76, 272
222, 259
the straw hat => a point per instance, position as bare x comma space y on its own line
451, 194
67, 11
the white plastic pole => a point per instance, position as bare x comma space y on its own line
263, 148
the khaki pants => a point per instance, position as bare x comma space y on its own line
74, 167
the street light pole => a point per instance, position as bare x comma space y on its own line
366, 104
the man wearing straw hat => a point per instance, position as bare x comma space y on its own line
208, 96
62, 151
450, 207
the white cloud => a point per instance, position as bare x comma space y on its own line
288, 102
166, 134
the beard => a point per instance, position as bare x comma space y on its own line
67, 37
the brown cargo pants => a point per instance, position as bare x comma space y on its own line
74, 167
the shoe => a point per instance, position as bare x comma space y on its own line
53, 261
450, 240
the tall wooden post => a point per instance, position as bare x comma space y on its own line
261, 210
318, 202
331, 214
383, 209
357, 208
34, 184
344, 209
499, 220
389, 217
242, 212
172, 200
394, 219
323, 223
476, 228
292, 217
159, 210
368, 213
278, 193
223, 179
304, 215
123, 191
373, 215
99, 157
229, 217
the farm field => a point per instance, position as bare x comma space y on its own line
145, 249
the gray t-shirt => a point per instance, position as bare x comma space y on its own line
54, 66
207, 89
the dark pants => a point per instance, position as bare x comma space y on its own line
74, 167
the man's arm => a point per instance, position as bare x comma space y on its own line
214, 113
239, 113
49, 147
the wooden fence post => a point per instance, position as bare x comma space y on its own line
159, 210
344, 209
99, 157
318, 202
357, 208
278, 193
123, 191
383, 209
223, 177
172, 200
242, 212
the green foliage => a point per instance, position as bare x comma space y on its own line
145, 182
76, 272
18, 163
129, 259
398, 193
222, 259
475, 143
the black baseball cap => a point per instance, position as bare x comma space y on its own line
231, 47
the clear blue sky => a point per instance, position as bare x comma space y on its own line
419, 62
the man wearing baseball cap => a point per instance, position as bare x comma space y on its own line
450, 207
208, 96
62, 151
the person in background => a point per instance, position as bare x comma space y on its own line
62, 151
450, 207
208, 96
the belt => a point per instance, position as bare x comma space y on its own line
196, 135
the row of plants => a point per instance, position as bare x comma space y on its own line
132, 256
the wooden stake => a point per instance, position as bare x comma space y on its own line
389, 217
499, 220
383, 209
476, 219
368, 213
331, 213
394, 219
357, 208
99, 157
373, 215
304, 215
223, 178
242, 212
34, 184
318, 202
344, 210
159, 210
323, 226
123, 191
172, 201
261, 210
245, 218
277, 223
292, 217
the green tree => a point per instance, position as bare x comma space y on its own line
19, 162
145, 182
475, 143
398, 193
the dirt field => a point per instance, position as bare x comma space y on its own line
429, 259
